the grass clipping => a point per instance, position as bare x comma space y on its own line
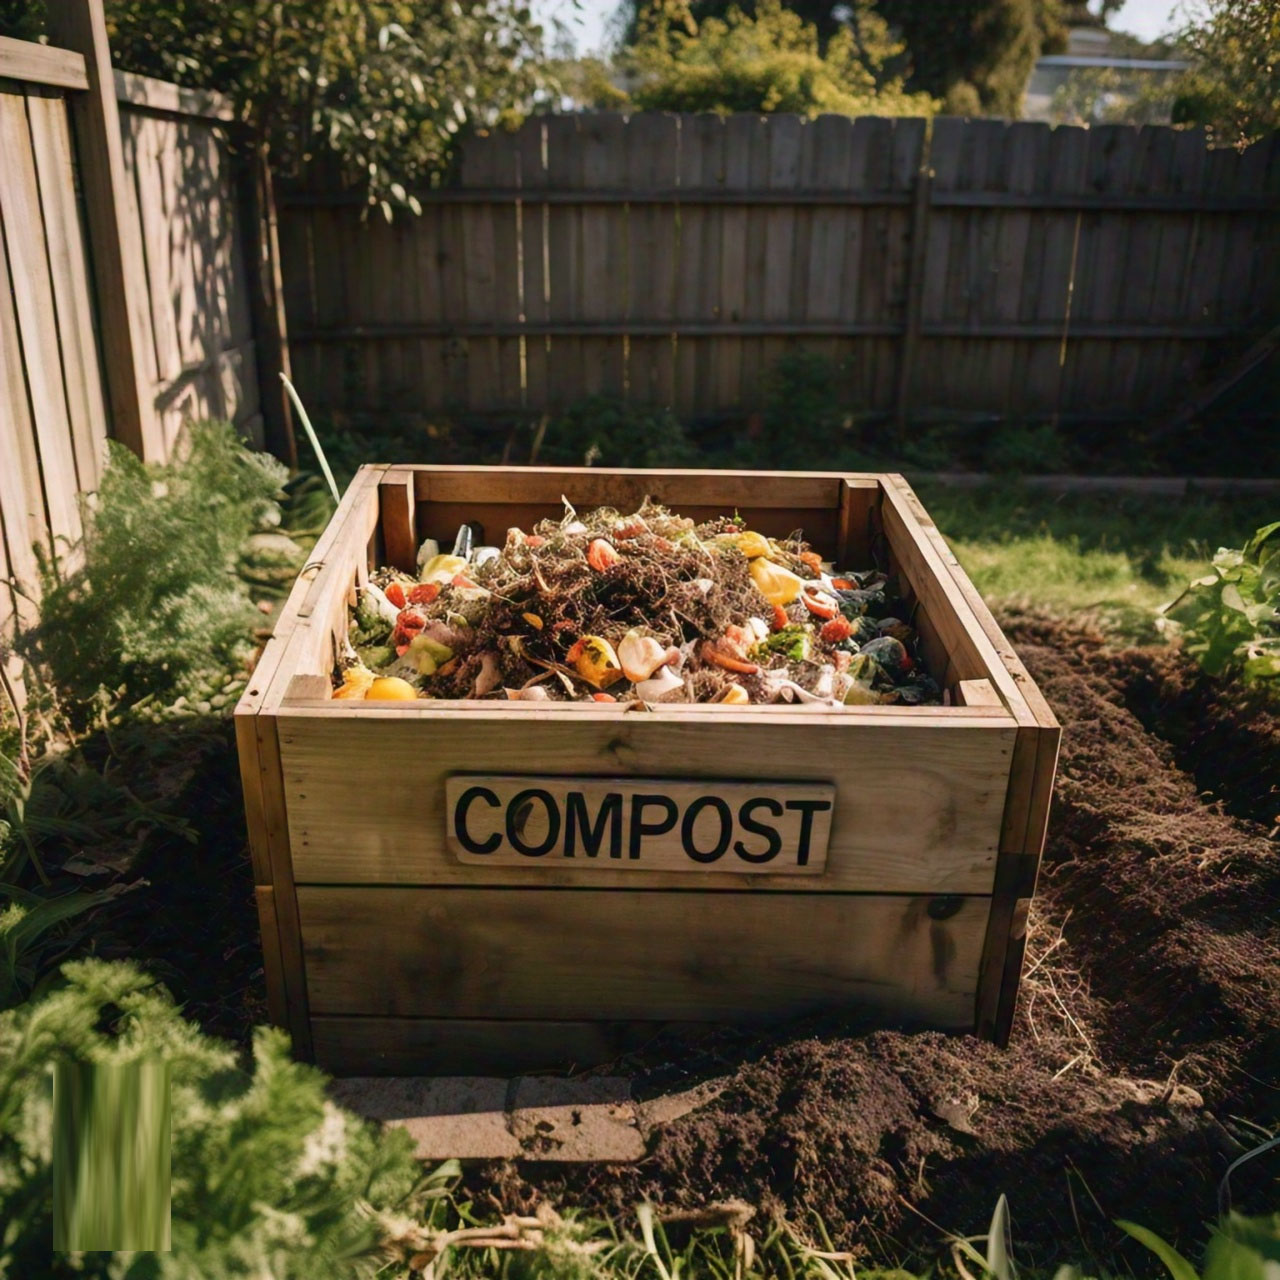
639, 608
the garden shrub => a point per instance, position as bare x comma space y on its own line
155, 605
269, 1178
805, 424
1229, 620
610, 432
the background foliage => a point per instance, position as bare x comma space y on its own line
1229, 619
770, 59
377, 89
154, 604
1234, 88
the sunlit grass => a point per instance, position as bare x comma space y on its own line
1111, 558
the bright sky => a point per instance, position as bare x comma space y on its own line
587, 19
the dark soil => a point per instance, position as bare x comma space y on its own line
1147, 1042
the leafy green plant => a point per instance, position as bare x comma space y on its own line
611, 432
381, 89
1025, 449
154, 606
769, 59
1240, 1248
268, 1176
29, 936
1229, 620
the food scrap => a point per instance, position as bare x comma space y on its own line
648, 607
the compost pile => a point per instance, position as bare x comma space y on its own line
633, 609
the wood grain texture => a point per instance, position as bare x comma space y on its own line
918, 806
533, 953
73, 301
356, 1045
623, 487
22, 510
159, 95
33, 302
42, 64
111, 219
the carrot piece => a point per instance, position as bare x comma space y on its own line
719, 658
780, 618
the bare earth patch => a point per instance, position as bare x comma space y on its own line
1149, 1023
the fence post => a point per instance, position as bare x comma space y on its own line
116, 253
266, 303
916, 267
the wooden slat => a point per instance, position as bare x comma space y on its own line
1027, 801
42, 64
21, 497
284, 896
272, 964
564, 375
396, 505
115, 250
918, 805
33, 302
602, 248
651, 260
146, 93
617, 487
82, 375
472, 1046
486, 953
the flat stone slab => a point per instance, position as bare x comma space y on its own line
592, 1119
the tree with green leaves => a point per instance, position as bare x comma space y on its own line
1234, 86
976, 55
769, 60
380, 88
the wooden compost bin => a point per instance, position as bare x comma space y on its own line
387, 952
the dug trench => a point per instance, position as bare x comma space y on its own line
1146, 1052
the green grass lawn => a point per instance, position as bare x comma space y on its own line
1113, 557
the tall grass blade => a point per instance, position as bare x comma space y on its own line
1179, 1268
999, 1262
311, 435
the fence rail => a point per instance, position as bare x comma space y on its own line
1007, 268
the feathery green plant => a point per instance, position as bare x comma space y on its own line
154, 605
269, 1178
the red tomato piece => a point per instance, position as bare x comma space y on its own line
601, 555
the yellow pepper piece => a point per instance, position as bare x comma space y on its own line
753, 545
596, 662
391, 689
776, 584
355, 682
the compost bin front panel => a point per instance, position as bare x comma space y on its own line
918, 803
548, 953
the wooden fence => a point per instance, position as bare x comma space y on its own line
132, 280
1004, 268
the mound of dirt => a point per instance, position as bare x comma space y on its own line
1148, 1022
